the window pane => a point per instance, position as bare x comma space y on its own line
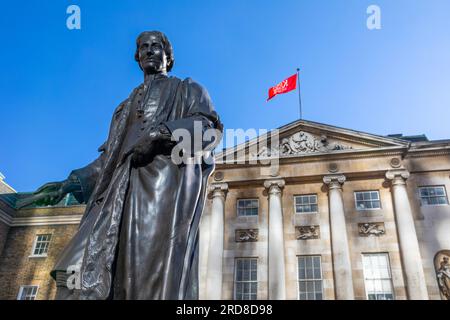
246, 285
302, 287
28, 293
308, 262
367, 200
306, 203
433, 195
310, 278
377, 276
310, 286
41, 244
316, 262
316, 273
247, 207
317, 286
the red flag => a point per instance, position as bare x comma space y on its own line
284, 86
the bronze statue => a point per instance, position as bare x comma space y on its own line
138, 238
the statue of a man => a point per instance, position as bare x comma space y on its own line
443, 276
138, 238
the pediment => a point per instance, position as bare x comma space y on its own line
305, 138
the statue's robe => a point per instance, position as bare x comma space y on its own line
138, 238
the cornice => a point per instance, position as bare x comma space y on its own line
427, 152
44, 221
5, 218
323, 156
40, 221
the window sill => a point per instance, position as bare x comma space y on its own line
38, 256
368, 210
306, 213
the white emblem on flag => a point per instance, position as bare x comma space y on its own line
281, 87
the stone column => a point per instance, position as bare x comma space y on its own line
409, 246
277, 280
215, 250
342, 267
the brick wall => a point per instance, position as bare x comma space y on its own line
18, 268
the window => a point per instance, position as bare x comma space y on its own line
310, 278
247, 207
306, 204
432, 196
246, 279
27, 293
377, 276
367, 200
41, 244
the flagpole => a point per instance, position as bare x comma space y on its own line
299, 95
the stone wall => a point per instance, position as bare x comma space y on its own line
363, 174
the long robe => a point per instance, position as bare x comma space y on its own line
138, 238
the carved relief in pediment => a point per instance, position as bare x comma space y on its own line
302, 143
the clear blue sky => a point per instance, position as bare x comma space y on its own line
59, 87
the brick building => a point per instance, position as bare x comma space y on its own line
345, 215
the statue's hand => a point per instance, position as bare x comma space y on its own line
51, 193
142, 152
145, 149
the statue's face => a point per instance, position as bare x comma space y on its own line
152, 57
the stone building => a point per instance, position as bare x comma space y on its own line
326, 213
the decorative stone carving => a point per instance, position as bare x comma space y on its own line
333, 167
218, 190
442, 265
301, 143
395, 163
274, 186
334, 181
307, 232
246, 235
397, 177
265, 152
368, 229
218, 176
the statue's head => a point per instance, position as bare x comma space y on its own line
154, 52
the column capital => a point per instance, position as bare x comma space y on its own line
397, 177
274, 185
334, 181
218, 189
